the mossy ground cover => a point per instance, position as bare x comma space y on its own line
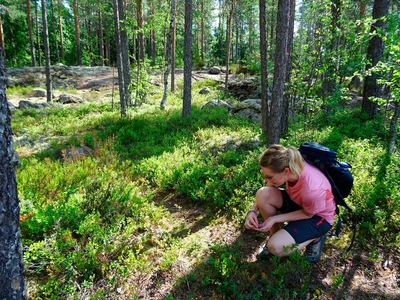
156, 211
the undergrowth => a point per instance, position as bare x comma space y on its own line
100, 218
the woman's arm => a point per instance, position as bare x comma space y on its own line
292, 216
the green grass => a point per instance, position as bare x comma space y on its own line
102, 218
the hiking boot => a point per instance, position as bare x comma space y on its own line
264, 253
314, 250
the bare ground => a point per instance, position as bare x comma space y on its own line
364, 273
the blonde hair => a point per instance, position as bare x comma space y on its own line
277, 158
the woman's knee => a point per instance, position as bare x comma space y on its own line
278, 249
281, 243
269, 195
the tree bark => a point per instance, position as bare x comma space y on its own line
286, 95
264, 67
2, 36
202, 31
228, 43
374, 55
272, 30
37, 34
173, 53
139, 17
187, 61
125, 53
274, 129
251, 29
77, 34
152, 37
54, 30
12, 282
134, 48
393, 127
31, 42
101, 38
60, 28
46, 52
330, 76
169, 54
120, 64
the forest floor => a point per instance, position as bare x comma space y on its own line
365, 273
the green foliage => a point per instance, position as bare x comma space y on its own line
290, 277
19, 91
140, 84
227, 273
223, 263
107, 218
198, 62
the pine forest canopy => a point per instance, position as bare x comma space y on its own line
313, 23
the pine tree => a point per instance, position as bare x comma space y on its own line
12, 282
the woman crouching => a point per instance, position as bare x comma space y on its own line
306, 205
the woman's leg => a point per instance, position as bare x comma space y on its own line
298, 234
282, 243
269, 200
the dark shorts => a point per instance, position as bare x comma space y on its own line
302, 230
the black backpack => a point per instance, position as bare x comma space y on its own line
337, 173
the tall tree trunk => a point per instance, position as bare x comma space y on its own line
31, 41
134, 48
54, 30
120, 61
139, 17
272, 31
12, 284
238, 39
330, 76
374, 55
393, 127
169, 54
187, 61
38, 34
2, 37
286, 95
101, 38
202, 31
173, 44
250, 41
60, 28
264, 68
361, 17
77, 34
125, 52
228, 44
152, 38
107, 52
46, 52
274, 129
141, 50
153, 47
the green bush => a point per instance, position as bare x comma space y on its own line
107, 217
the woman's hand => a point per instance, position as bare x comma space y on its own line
251, 221
267, 224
